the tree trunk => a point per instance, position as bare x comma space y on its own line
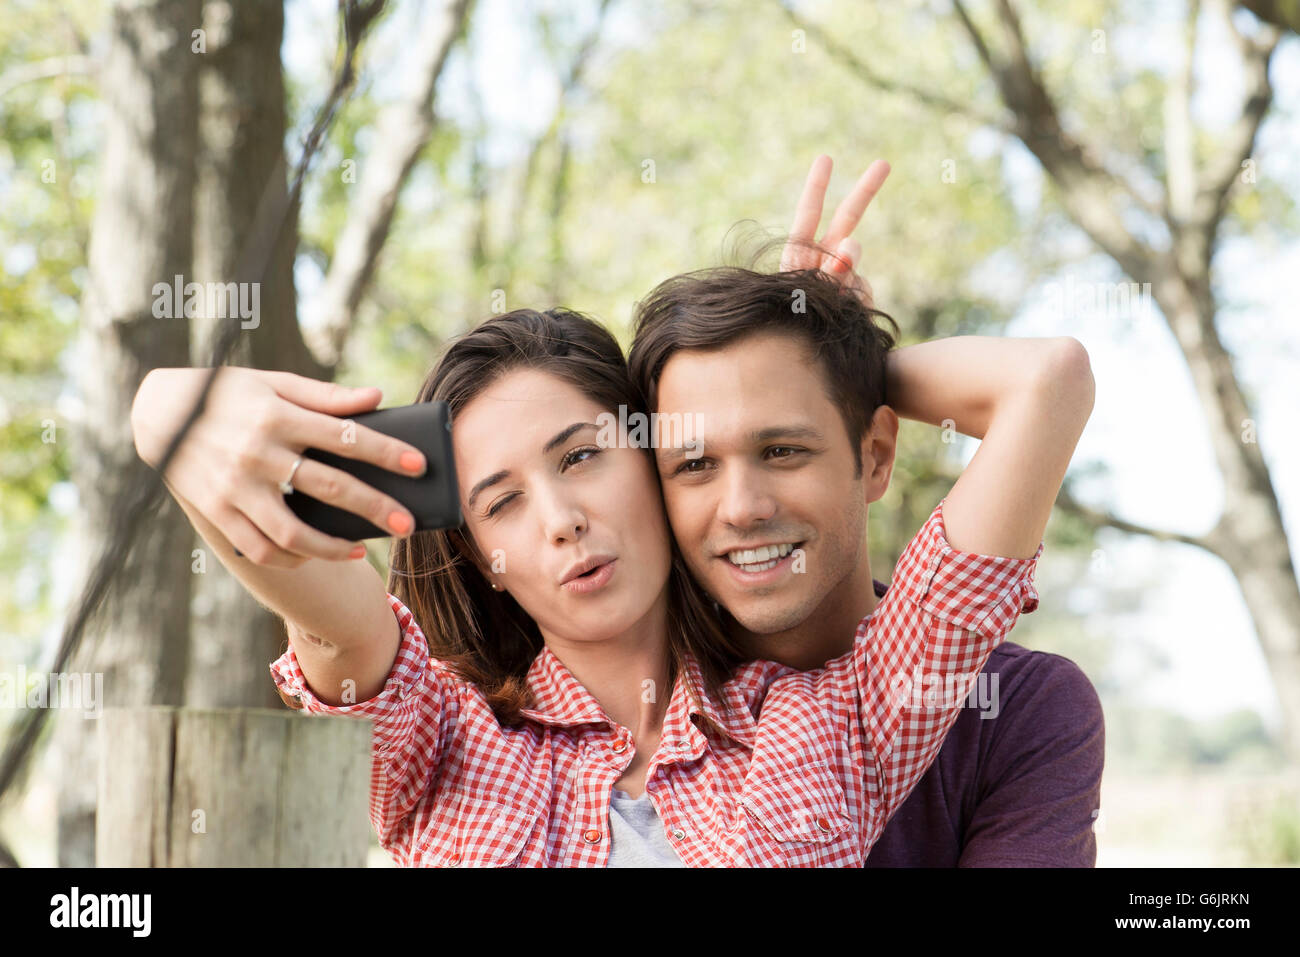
1249, 536
140, 236
241, 164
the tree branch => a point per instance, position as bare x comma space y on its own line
1180, 145
1222, 171
569, 84
1104, 518
1086, 186
74, 64
851, 60
402, 130
1282, 13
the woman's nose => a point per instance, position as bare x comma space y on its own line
564, 520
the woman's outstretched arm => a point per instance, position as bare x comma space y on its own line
345, 600
223, 476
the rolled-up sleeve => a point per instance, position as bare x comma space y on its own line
409, 718
918, 655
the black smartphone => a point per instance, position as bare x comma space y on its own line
432, 498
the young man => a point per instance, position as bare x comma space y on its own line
796, 393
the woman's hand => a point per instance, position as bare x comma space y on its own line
253, 427
838, 239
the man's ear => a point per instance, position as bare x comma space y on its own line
879, 444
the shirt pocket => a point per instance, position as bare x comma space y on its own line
472, 831
799, 817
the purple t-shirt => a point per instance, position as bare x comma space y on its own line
1021, 789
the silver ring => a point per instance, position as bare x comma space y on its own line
287, 485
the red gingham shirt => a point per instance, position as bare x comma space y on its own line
810, 767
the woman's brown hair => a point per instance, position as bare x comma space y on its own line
484, 635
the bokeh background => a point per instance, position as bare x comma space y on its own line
1124, 173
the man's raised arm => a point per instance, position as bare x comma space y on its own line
1027, 400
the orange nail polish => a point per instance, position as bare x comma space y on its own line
412, 461
358, 552
399, 523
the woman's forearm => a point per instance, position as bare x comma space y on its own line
957, 382
339, 604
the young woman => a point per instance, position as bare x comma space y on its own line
532, 675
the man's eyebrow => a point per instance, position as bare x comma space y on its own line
669, 454
785, 432
560, 438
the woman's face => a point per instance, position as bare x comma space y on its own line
575, 532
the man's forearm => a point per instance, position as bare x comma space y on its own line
957, 382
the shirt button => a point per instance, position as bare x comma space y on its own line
824, 824
592, 836
683, 745
620, 747
455, 860
678, 834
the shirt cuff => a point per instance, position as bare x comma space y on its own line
983, 593
411, 669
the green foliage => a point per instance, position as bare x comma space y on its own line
730, 114
1265, 828
1145, 738
47, 177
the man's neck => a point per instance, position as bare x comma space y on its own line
825, 634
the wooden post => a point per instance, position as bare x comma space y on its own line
233, 787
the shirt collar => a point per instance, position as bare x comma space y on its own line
559, 699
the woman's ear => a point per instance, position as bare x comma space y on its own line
470, 550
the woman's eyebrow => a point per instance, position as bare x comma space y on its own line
487, 483
560, 438
563, 436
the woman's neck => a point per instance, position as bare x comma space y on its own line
628, 674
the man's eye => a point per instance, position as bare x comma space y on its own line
576, 456
789, 450
688, 467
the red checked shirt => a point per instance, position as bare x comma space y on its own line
809, 767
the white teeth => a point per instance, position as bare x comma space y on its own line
759, 559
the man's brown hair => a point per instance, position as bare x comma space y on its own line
713, 308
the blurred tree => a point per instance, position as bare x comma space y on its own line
189, 198
143, 224
1280, 13
1160, 215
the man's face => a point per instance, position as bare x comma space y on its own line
771, 517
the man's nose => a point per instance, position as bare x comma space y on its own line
744, 499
